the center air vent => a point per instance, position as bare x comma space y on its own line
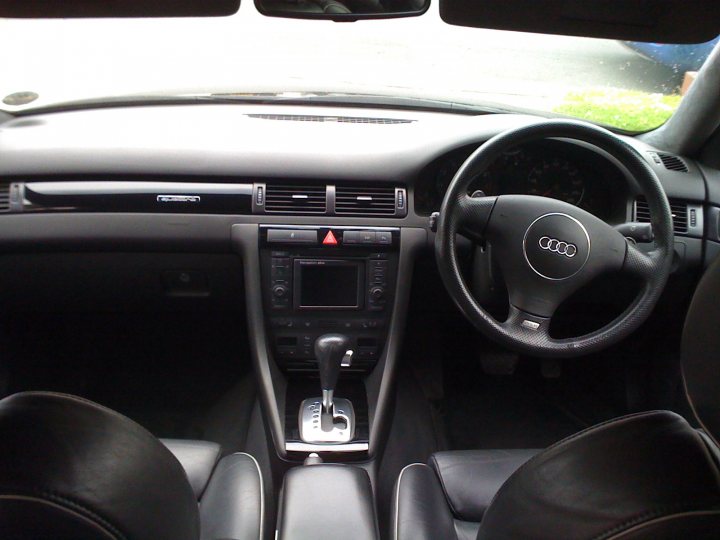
370, 201
679, 211
295, 199
330, 119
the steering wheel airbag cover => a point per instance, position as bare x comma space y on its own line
556, 246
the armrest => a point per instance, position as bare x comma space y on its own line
324, 502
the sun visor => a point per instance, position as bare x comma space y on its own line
116, 8
662, 21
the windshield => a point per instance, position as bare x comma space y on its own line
631, 86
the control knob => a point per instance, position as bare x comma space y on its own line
377, 294
280, 291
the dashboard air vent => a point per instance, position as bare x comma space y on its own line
673, 163
330, 119
370, 201
679, 211
4, 198
670, 161
295, 199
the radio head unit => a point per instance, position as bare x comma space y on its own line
311, 287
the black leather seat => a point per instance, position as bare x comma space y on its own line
72, 469
644, 476
449, 496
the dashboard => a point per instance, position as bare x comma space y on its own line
180, 177
559, 169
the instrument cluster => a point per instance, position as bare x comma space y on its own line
555, 169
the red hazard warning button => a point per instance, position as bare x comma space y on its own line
330, 239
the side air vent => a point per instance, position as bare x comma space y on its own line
679, 211
4, 198
670, 161
295, 199
370, 201
330, 119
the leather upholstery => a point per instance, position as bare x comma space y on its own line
643, 476
470, 479
448, 498
230, 491
327, 502
232, 506
420, 510
70, 468
634, 477
198, 458
701, 351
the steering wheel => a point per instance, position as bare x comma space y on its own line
547, 249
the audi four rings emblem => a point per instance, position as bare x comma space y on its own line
558, 246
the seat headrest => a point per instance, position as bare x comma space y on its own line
70, 468
701, 352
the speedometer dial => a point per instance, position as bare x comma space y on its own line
556, 178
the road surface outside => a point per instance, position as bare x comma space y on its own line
423, 57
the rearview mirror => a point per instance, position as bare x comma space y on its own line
342, 10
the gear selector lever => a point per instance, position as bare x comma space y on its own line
328, 419
330, 350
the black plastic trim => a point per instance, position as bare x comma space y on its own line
137, 196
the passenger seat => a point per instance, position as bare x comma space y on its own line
73, 469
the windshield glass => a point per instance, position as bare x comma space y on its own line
631, 86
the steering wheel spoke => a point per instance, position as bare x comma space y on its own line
474, 214
639, 264
526, 326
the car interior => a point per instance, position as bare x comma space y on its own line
244, 318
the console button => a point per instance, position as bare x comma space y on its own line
359, 237
279, 270
292, 236
367, 237
384, 237
351, 237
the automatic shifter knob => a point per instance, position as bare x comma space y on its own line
329, 351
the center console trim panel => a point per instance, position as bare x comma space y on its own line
273, 382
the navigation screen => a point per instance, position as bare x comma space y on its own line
329, 284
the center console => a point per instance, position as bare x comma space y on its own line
327, 502
326, 306
327, 297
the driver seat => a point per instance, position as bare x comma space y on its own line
649, 475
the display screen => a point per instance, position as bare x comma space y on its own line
328, 284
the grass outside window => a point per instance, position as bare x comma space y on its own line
625, 109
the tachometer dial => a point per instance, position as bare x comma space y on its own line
556, 178
444, 176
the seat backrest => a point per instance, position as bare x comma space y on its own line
701, 352
647, 475
72, 469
